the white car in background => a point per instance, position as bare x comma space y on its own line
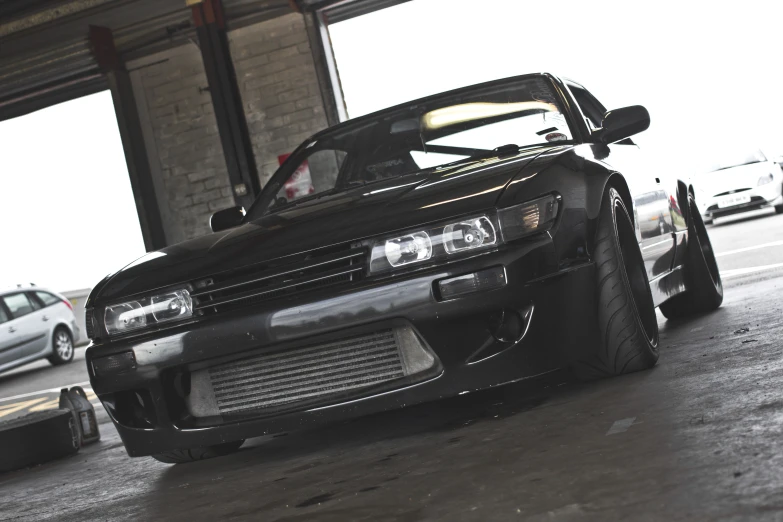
34, 324
739, 185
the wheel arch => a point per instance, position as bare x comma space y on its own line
596, 198
618, 182
62, 324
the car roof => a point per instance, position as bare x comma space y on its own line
24, 288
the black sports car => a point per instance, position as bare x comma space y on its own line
457, 242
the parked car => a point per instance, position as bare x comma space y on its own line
35, 323
454, 243
740, 184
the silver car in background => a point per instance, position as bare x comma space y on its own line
739, 184
35, 323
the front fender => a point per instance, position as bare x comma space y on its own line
581, 181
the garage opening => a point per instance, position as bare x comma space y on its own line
65, 197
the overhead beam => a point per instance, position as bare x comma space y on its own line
118, 78
229, 111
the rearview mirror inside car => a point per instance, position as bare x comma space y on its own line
226, 218
619, 124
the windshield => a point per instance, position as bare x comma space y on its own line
730, 160
464, 126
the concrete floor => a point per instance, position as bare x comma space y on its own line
696, 438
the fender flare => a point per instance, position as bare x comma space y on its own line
596, 191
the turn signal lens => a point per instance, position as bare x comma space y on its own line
528, 218
488, 279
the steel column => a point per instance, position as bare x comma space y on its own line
325, 68
229, 111
118, 78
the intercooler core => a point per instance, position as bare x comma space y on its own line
310, 373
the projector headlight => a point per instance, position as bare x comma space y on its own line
146, 312
438, 242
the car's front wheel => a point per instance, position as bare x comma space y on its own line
627, 325
62, 347
704, 287
207, 452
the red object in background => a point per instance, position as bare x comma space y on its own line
300, 183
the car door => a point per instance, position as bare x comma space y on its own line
647, 185
8, 336
27, 324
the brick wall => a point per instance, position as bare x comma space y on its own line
279, 87
185, 153
282, 102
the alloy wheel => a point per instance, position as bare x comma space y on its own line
63, 345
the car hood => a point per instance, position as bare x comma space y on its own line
733, 178
367, 211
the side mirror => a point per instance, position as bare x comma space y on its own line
226, 218
623, 123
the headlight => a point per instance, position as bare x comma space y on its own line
468, 235
134, 315
475, 233
763, 180
528, 218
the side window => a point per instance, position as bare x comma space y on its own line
46, 298
318, 173
3, 314
19, 305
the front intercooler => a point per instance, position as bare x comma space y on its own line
306, 374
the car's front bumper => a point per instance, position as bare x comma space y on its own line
146, 405
768, 195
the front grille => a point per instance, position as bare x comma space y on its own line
730, 192
308, 373
281, 278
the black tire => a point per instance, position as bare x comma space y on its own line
779, 209
627, 325
62, 347
190, 455
702, 278
36, 438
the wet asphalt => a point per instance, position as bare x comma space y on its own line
696, 438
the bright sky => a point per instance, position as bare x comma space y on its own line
708, 71
65, 199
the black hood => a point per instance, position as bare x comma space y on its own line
371, 210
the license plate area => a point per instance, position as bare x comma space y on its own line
733, 200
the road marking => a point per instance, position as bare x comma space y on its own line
620, 426
748, 249
43, 403
748, 270
42, 392
18, 406
48, 405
